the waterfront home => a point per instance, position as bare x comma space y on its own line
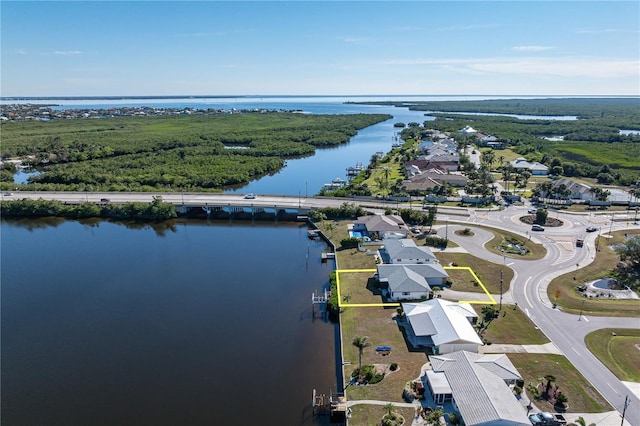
441, 326
384, 226
478, 388
405, 251
410, 282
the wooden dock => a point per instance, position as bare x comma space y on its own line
332, 405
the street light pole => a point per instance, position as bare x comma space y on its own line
581, 309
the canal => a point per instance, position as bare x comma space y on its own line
183, 323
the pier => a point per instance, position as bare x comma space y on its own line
334, 405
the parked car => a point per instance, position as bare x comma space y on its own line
250, 197
535, 419
592, 229
8, 194
537, 228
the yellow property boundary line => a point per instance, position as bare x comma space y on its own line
368, 305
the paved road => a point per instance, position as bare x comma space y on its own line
528, 287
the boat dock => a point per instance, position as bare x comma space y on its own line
334, 405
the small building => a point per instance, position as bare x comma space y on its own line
385, 226
535, 168
405, 251
478, 387
410, 282
442, 325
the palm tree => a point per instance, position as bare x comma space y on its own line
550, 378
388, 407
360, 342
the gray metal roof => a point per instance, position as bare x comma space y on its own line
444, 321
405, 248
481, 396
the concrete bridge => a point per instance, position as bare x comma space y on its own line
230, 203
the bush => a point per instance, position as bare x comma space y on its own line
394, 366
350, 242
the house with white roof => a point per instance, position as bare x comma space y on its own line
535, 168
468, 130
385, 226
410, 282
478, 387
442, 325
404, 250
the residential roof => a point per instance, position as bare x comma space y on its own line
405, 248
383, 223
411, 278
446, 322
468, 129
438, 382
480, 395
521, 163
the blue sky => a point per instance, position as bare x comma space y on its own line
91, 48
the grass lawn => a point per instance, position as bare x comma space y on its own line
583, 398
378, 325
618, 349
570, 299
352, 290
487, 272
372, 414
380, 328
512, 327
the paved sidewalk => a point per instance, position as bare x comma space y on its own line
547, 348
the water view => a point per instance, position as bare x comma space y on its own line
194, 323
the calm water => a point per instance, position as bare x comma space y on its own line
304, 176
196, 324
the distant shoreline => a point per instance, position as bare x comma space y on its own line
145, 97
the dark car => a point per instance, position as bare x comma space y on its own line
537, 228
104, 200
592, 229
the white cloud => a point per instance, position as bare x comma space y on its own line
607, 31
531, 48
66, 52
22, 51
568, 66
354, 39
470, 27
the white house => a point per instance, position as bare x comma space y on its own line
442, 325
535, 168
410, 282
386, 226
404, 250
478, 387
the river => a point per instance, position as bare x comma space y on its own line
193, 323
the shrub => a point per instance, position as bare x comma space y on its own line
393, 366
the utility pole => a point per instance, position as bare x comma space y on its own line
504, 260
624, 409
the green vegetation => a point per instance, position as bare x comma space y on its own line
571, 300
581, 396
617, 348
156, 210
590, 143
511, 326
169, 153
487, 272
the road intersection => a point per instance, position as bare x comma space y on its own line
527, 289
